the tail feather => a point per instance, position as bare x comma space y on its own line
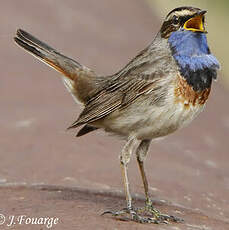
47, 54
27, 37
78, 79
29, 48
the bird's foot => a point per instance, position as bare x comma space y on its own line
150, 215
157, 216
130, 214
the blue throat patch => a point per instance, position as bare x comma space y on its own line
191, 52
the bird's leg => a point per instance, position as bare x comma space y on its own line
141, 153
158, 217
124, 160
134, 214
129, 210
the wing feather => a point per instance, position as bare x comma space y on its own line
108, 100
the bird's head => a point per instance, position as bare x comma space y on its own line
184, 18
184, 28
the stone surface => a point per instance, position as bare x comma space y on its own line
46, 171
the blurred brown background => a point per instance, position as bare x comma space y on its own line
46, 171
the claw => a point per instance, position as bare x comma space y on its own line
158, 216
176, 219
106, 212
132, 215
116, 213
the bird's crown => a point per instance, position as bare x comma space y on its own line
186, 18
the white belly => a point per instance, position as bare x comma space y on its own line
147, 121
165, 122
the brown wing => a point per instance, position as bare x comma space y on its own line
117, 95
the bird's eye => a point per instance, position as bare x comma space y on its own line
175, 20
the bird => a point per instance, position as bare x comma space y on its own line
158, 92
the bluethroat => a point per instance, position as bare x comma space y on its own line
158, 92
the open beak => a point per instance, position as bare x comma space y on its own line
196, 23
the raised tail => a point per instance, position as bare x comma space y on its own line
47, 54
78, 79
